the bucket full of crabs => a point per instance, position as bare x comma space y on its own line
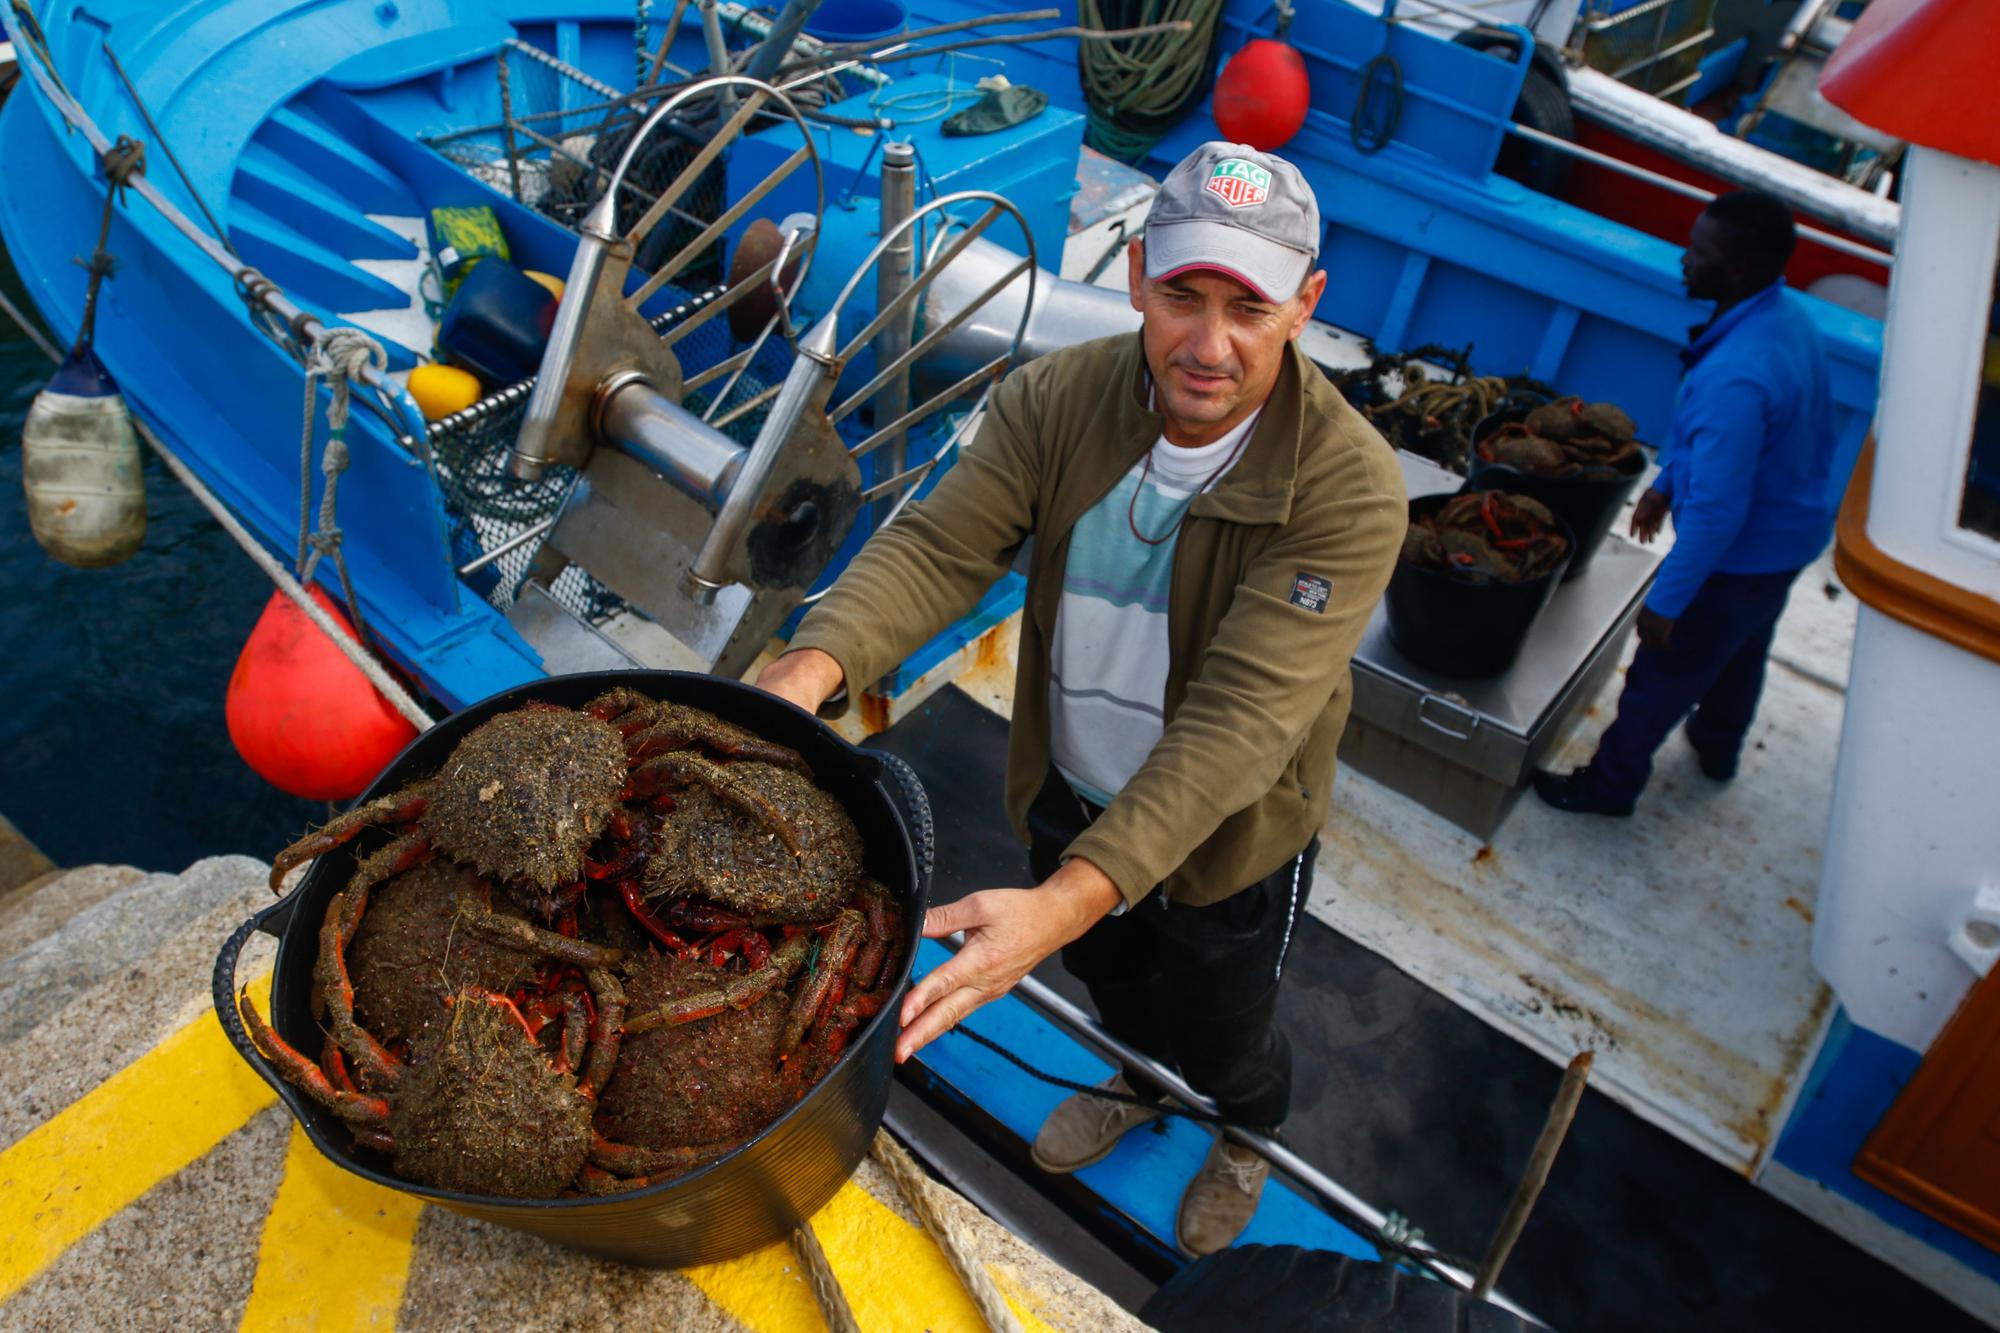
610, 958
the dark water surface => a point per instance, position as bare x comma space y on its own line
112, 742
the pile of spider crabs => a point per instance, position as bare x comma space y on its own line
1567, 438
601, 947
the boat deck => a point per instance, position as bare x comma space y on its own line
1419, 1099
1675, 944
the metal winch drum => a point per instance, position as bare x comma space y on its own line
755, 1195
718, 541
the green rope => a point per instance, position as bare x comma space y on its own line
1136, 89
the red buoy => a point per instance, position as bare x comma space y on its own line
302, 715
1262, 95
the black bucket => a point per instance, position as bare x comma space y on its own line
738, 1203
1458, 627
1590, 504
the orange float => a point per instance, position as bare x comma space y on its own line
302, 715
1262, 94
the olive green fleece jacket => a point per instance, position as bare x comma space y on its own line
1275, 575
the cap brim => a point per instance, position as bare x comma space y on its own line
1273, 271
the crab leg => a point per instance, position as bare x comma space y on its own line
343, 916
621, 704
356, 1108
756, 950
693, 770
515, 933
576, 1030
834, 962
635, 903
674, 734
740, 993
627, 1159
635, 846
832, 1034
400, 808
881, 930
606, 1034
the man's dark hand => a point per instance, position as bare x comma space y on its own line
1647, 515
1655, 630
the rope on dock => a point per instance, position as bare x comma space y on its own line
833, 1306
954, 1240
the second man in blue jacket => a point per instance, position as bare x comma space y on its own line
1747, 478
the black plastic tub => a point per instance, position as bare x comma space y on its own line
1458, 627
1589, 504
738, 1203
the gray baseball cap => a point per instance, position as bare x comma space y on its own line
1231, 208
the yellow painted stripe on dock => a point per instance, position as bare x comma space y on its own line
85, 1164
894, 1275
336, 1249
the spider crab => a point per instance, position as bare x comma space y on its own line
475, 994
480, 1106
524, 795
1564, 438
1488, 535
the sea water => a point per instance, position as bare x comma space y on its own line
112, 741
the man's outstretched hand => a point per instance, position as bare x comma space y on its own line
805, 676
1007, 932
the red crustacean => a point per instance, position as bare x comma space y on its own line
601, 947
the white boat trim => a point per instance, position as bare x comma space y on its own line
1645, 119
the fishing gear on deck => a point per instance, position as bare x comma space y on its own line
1137, 88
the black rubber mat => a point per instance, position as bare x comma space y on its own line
1418, 1106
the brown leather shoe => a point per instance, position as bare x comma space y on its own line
1083, 1129
1221, 1199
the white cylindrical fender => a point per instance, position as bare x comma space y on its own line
81, 469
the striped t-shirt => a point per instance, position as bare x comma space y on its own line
1108, 667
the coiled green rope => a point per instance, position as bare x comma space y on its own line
1136, 89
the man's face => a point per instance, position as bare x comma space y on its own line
1214, 346
1707, 271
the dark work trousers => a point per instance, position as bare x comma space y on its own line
1196, 988
1712, 667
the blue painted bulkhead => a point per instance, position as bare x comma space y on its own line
299, 121
1855, 1077
1423, 244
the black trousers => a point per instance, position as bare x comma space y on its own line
1712, 668
1193, 987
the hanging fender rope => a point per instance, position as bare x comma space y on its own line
341, 356
122, 161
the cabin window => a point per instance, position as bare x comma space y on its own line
1979, 511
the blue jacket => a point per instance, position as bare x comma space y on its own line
1747, 469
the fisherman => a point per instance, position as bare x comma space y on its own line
1747, 475
1213, 526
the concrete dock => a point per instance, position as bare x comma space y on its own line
152, 1180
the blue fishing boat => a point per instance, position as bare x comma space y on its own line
749, 285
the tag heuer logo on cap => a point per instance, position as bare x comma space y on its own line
1240, 183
